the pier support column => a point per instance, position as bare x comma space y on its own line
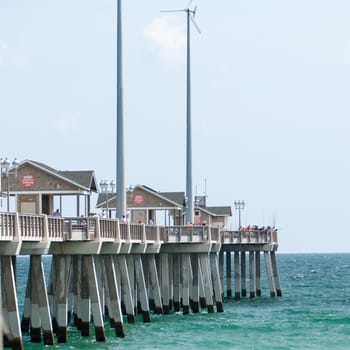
221, 271
251, 274
25, 322
111, 284
243, 274
141, 289
85, 300
126, 287
185, 276
61, 290
165, 278
89, 264
50, 293
130, 263
10, 305
202, 301
99, 276
258, 273
194, 291
216, 282
269, 273
228, 275
276, 274
40, 303
177, 282
237, 276
77, 276
206, 276
154, 284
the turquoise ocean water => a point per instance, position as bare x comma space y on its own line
313, 313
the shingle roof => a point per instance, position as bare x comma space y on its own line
82, 178
219, 211
176, 197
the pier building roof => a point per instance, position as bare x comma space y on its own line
35, 184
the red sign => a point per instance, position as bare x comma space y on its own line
139, 200
28, 181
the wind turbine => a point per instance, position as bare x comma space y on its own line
189, 188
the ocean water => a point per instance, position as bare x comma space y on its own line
313, 313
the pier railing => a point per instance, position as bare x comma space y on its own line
256, 236
26, 227
193, 234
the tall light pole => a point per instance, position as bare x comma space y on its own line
120, 171
6, 171
239, 205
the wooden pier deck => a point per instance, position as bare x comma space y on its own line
101, 267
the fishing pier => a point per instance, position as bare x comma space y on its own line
104, 270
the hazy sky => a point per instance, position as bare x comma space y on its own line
270, 102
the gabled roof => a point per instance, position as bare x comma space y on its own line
84, 179
174, 198
219, 211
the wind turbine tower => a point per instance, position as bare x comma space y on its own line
189, 187
120, 171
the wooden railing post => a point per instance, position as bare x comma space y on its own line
45, 228
144, 237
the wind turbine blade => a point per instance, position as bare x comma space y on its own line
194, 11
189, 4
195, 24
172, 10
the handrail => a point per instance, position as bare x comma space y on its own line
27, 227
255, 236
195, 234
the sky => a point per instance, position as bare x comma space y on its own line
270, 103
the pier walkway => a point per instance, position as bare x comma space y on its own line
103, 269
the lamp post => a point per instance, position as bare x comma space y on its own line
6, 171
107, 187
239, 205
